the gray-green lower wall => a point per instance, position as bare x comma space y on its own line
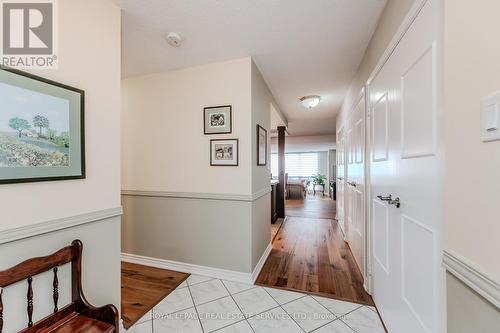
469, 312
219, 233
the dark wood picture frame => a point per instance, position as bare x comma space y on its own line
237, 153
81, 92
259, 128
205, 120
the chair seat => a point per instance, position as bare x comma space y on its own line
77, 323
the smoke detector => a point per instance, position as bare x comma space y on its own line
174, 39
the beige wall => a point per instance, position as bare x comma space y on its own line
262, 102
164, 150
163, 145
89, 59
390, 20
472, 70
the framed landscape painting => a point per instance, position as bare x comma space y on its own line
224, 152
41, 129
217, 119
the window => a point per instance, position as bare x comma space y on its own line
298, 164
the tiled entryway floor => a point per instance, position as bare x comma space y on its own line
203, 304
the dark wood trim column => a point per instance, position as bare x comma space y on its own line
280, 198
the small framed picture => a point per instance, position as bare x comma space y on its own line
261, 145
218, 119
224, 152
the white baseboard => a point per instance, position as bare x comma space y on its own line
472, 276
219, 273
261, 262
213, 272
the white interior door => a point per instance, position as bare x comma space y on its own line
348, 202
406, 163
340, 178
356, 184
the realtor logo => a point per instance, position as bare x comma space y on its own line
28, 33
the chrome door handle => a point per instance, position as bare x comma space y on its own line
396, 202
387, 198
353, 184
340, 178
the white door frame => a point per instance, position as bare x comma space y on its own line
404, 27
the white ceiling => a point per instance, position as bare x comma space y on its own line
302, 47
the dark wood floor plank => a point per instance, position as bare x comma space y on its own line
143, 287
309, 255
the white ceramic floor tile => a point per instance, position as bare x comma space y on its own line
194, 279
335, 327
236, 287
184, 321
241, 327
308, 313
143, 327
364, 320
254, 301
283, 296
182, 285
338, 307
208, 291
177, 300
275, 321
219, 313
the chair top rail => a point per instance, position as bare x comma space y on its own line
35, 266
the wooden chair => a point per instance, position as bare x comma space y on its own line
78, 316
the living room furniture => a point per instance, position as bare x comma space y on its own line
333, 190
296, 189
76, 317
322, 188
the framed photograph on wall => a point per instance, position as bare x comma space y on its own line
41, 129
261, 145
224, 152
218, 119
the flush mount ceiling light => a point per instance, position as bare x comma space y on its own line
174, 39
311, 101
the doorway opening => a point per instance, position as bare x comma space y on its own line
309, 252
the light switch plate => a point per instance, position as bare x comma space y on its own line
490, 126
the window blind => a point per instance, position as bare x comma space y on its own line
298, 164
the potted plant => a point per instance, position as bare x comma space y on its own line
318, 179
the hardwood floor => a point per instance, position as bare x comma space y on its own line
275, 227
314, 206
143, 287
310, 255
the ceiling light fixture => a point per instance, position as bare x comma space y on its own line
311, 101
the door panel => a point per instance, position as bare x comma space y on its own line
407, 163
380, 139
418, 111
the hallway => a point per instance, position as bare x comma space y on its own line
310, 255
